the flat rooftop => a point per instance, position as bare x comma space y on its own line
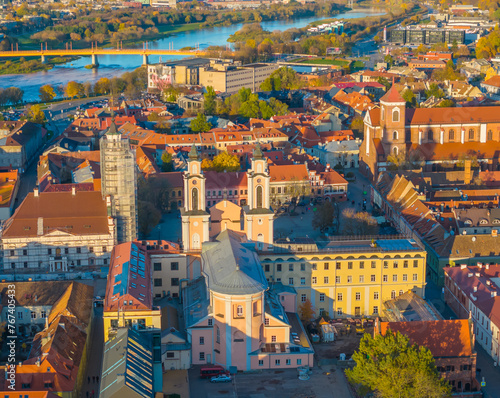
343, 244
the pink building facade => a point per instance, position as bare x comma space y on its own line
233, 318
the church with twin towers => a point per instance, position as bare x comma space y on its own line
255, 219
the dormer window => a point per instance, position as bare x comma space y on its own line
483, 221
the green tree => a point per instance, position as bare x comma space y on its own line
393, 368
148, 216
384, 82
266, 112
209, 104
200, 124
434, 91
324, 216
11, 95
102, 86
47, 93
279, 108
409, 97
167, 163
153, 117
447, 103
357, 125
225, 162
36, 115
74, 89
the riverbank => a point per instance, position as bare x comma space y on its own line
27, 65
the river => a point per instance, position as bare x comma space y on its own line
115, 65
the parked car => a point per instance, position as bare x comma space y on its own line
221, 379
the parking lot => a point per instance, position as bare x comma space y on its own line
324, 382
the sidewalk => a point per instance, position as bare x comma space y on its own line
176, 382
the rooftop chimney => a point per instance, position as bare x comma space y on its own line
463, 266
493, 294
39, 229
73, 190
35, 192
475, 288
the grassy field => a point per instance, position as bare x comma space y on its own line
324, 61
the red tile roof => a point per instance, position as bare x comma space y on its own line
493, 81
84, 213
444, 338
129, 279
392, 96
282, 173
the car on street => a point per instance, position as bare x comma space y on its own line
224, 378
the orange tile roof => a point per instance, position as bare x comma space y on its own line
444, 338
493, 81
129, 279
332, 178
280, 173
479, 114
392, 96
84, 213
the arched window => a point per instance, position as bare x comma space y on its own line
451, 135
259, 168
489, 137
400, 292
471, 134
393, 294
239, 310
430, 135
195, 169
194, 198
259, 196
395, 135
395, 151
217, 334
395, 116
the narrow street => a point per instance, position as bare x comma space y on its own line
90, 387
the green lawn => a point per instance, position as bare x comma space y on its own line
324, 61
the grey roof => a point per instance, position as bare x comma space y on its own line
231, 268
127, 364
196, 301
278, 288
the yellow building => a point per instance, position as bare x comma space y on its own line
129, 296
230, 78
347, 277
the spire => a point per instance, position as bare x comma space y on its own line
392, 96
257, 152
193, 153
113, 130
